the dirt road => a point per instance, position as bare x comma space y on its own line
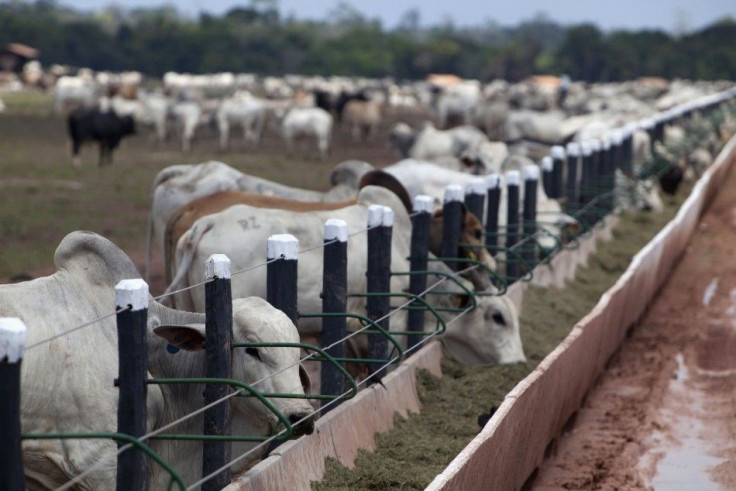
663, 416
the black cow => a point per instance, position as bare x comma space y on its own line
106, 127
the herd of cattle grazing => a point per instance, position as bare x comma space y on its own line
478, 135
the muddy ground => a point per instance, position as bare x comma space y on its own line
663, 416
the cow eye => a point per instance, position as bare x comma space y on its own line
498, 318
253, 352
478, 234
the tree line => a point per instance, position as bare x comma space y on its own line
256, 38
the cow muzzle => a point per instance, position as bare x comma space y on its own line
301, 424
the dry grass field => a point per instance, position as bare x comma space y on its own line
43, 197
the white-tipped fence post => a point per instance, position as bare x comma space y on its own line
420, 224
12, 345
380, 225
282, 274
218, 353
531, 181
571, 184
627, 147
559, 160
475, 197
132, 296
587, 173
513, 183
493, 184
606, 173
452, 218
334, 300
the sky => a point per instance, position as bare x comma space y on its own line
678, 15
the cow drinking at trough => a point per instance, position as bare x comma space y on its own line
105, 127
67, 383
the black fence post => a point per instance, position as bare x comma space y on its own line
547, 166
493, 183
531, 182
606, 174
452, 211
218, 353
595, 211
513, 182
475, 197
559, 161
380, 224
132, 295
12, 345
334, 301
586, 183
571, 184
420, 224
281, 274
627, 147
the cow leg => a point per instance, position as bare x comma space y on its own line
76, 159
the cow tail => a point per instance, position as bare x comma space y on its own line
189, 241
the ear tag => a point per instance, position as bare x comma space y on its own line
172, 349
472, 255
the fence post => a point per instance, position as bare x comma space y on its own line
132, 295
606, 174
531, 181
559, 160
281, 275
493, 183
548, 168
380, 223
334, 299
452, 211
513, 181
571, 190
218, 356
627, 147
475, 197
12, 345
420, 224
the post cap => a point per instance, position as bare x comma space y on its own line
379, 215
573, 149
453, 192
336, 229
217, 266
547, 164
285, 245
423, 204
531, 173
13, 334
513, 178
558, 152
133, 292
475, 186
493, 181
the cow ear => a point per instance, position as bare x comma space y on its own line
189, 337
461, 301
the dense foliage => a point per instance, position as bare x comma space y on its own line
256, 38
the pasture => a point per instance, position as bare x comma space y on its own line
44, 197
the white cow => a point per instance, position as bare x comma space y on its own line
177, 185
68, 382
444, 147
456, 101
245, 110
490, 334
187, 116
311, 122
78, 91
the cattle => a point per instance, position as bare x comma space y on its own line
177, 185
187, 116
362, 118
455, 102
489, 334
105, 127
77, 91
419, 177
68, 385
244, 110
310, 122
444, 147
184, 218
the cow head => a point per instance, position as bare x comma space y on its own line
472, 242
486, 335
270, 370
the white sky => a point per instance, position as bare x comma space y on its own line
610, 14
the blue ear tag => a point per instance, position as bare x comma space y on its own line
172, 349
